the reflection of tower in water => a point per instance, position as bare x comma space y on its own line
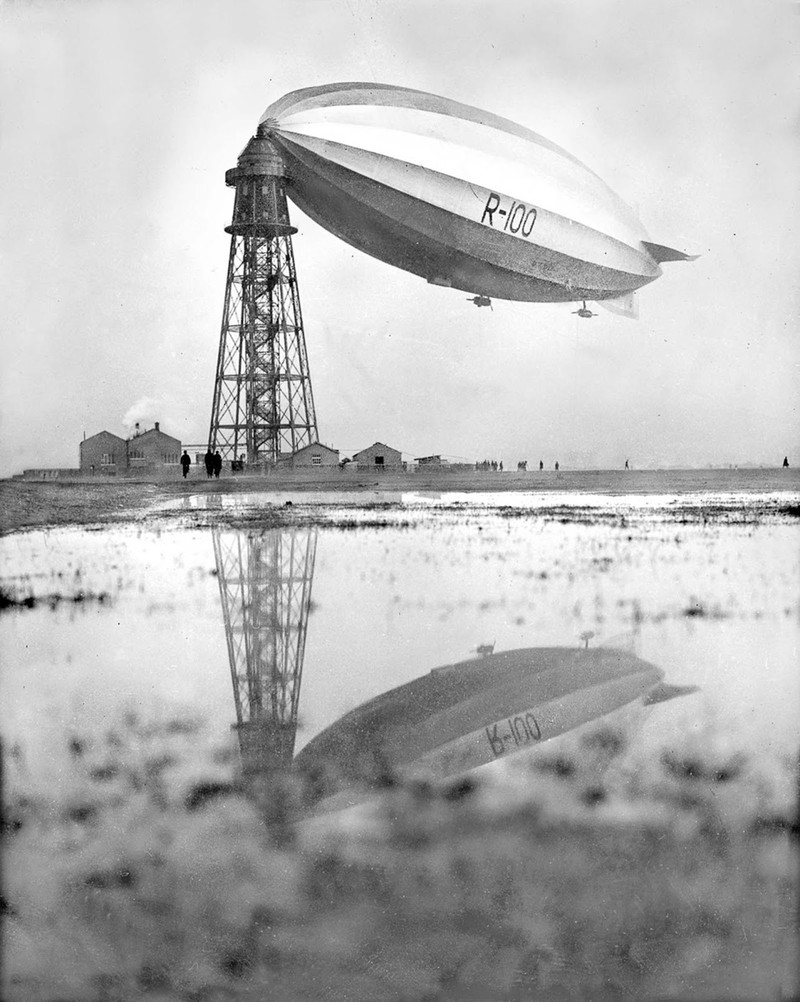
265, 587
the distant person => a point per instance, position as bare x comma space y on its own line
785, 461
541, 465
186, 462
217, 467
501, 466
627, 467
556, 466
208, 459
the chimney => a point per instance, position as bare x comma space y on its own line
137, 429
157, 428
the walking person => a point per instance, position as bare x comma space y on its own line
186, 462
208, 459
217, 464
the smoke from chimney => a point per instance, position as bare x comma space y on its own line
141, 413
146, 409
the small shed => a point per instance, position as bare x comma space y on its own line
379, 457
315, 455
103, 453
429, 461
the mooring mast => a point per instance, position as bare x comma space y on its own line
265, 586
263, 405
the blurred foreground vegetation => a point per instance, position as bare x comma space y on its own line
592, 870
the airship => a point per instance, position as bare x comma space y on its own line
461, 197
465, 715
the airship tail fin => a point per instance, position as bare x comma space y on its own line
623, 306
660, 253
663, 691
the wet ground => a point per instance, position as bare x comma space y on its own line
105, 500
230, 607
384, 595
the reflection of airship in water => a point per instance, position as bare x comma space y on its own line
452, 720
461, 197
465, 715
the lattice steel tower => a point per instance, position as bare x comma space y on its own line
263, 405
265, 586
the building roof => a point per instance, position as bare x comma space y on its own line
110, 434
153, 432
381, 445
316, 445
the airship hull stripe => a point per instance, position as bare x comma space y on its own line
442, 753
386, 96
426, 240
495, 160
501, 702
547, 228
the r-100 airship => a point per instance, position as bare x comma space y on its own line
459, 196
465, 715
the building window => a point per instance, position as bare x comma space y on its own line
108, 459
316, 459
379, 460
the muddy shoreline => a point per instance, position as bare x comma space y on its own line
32, 504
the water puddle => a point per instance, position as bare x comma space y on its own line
297, 627
413, 508
461, 736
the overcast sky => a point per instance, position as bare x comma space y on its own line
120, 118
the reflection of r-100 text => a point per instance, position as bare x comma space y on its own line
519, 730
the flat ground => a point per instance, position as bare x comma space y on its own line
29, 504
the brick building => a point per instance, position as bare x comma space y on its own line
149, 450
144, 452
315, 455
104, 453
379, 457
